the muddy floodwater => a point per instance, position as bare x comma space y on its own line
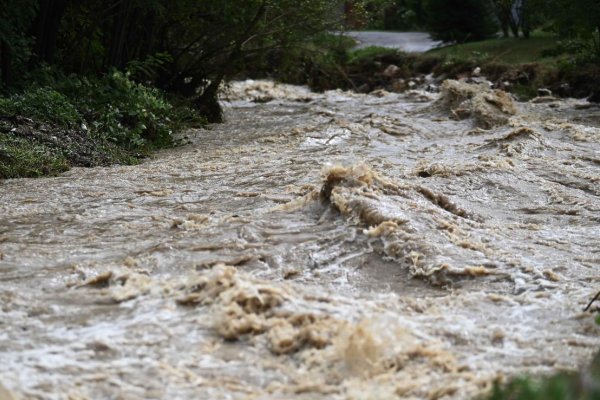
314, 246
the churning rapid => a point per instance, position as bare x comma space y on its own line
315, 246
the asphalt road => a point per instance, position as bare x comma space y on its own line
406, 41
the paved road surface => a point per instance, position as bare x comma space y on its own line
406, 41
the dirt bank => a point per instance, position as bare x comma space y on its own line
31, 149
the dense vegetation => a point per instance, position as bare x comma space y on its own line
184, 47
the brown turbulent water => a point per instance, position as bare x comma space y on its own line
336, 245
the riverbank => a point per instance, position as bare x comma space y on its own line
61, 122
30, 148
525, 67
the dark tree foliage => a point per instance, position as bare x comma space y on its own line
16, 17
404, 15
520, 16
186, 46
461, 20
578, 19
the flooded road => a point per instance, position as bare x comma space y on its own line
405, 41
315, 246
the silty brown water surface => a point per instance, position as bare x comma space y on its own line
314, 246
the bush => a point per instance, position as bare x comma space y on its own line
316, 62
576, 385
112, 107
61, 121
121, 110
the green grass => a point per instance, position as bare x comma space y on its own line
507, 50
368, 53
20, 157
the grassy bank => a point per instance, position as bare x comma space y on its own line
59, 122
538, 48
520, 66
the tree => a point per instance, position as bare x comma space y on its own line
15, 18
209, 40
460, 20
504, 12
519, 15
579, 20
186, 46
44, 29
402, 15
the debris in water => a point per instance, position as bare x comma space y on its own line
489, 108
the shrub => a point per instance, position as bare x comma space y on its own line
59, 121
576, 385
557, 387
113, 107
314, 62
121, 110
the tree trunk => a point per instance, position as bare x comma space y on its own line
597, 41
504, 15
207, 103
514, 27
523, 19
6, 65
118, 39
45, 30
